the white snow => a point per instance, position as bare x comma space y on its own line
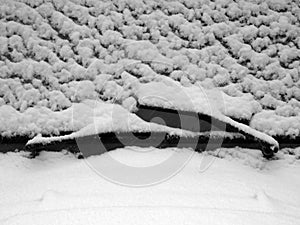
56, 57
170, 94
252, 47
100, 117
237, 187
273, 124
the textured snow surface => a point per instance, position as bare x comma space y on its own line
57, 53
170, 94
239, 187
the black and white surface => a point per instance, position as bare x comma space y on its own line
72, 68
